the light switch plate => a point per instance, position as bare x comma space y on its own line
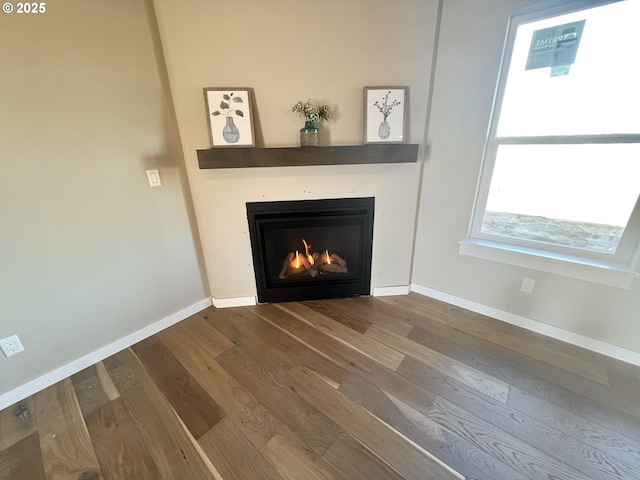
154, 178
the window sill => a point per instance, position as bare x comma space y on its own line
597, 271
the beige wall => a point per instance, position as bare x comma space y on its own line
467, 65
289, 50
89, 252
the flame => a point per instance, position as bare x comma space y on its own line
326, 252
306, 250
297, 260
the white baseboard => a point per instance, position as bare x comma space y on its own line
388, 291
614, 351
233, 302
73, 367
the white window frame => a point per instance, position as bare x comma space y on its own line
618, 270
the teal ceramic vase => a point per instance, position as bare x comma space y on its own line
309, 135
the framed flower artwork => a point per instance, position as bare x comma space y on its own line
385, 114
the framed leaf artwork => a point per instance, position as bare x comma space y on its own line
230, 117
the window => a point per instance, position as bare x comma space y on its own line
561, 172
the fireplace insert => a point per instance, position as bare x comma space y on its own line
311, 249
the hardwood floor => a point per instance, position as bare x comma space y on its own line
363, 388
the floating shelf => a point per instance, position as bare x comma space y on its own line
304, 156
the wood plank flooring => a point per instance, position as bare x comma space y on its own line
364, 388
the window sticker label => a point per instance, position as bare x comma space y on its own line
555, 47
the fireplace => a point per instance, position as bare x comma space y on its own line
311, 249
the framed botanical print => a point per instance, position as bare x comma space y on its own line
385, 114
230, 117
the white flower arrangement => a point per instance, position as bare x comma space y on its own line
310, 112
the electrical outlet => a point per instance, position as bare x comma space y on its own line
527, 285
11, 345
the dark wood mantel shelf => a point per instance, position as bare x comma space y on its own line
303, 156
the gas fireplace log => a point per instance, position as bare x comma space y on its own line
339, 260
285, 266
332, 267
337, 265
295, 271
304, 262
322, 257
289, 268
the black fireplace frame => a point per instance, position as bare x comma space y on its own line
260, 214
